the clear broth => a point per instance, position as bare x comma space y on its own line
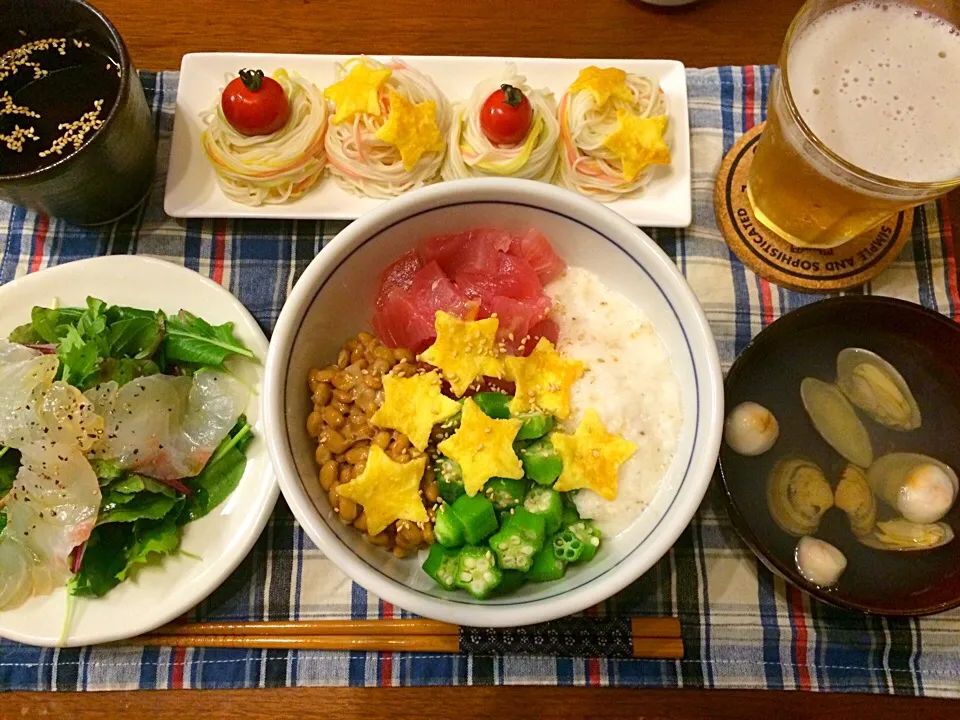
771, 376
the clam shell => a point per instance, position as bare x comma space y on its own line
919, 487
819, 562
835, 419
798, 495
901, 535
875, 386
854, 496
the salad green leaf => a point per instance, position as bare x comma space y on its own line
92, 323
123, 312
220, 476
150, 539
106, 470
114, 551
104, 558
193, 340
82, 345
123, 370
137, 338
50, 324
118, 507
9, 465
79, 359
25, 335
135, 483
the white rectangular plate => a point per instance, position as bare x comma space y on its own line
192, 190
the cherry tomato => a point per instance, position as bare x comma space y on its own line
254, 104
506, 116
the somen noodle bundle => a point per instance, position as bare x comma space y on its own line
387, 134
274, 168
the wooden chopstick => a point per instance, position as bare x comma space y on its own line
398, 643
294, 628
652, 627
652, 637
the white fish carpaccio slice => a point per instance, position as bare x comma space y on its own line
53, 504
167, 427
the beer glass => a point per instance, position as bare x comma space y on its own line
805, 183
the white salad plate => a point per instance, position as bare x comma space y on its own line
192, 190
158, 592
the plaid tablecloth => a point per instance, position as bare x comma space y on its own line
743, 628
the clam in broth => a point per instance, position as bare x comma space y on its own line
751, 429
919, 487
835, 419
798, 495
875, 386
819, 562
903, 535
854, 496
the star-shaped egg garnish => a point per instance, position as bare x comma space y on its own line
591, 457
464, 350
387, 490
358, 92
483, 447
638, 142
603, 83
413, 406
412, 129
543, 380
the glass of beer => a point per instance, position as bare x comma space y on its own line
863, 119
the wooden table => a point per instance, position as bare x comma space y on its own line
711, 32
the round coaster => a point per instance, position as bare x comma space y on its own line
773, 258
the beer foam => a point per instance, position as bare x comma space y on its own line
879, 83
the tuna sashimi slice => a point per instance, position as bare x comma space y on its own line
534, 247
516, 318
442, 249
432, 290
473, 251
398, 274
398, 322
546, 328
513, 278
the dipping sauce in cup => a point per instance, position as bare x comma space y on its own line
77, 139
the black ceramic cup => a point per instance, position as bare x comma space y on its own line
112, 171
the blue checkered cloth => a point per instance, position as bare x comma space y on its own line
742, 626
